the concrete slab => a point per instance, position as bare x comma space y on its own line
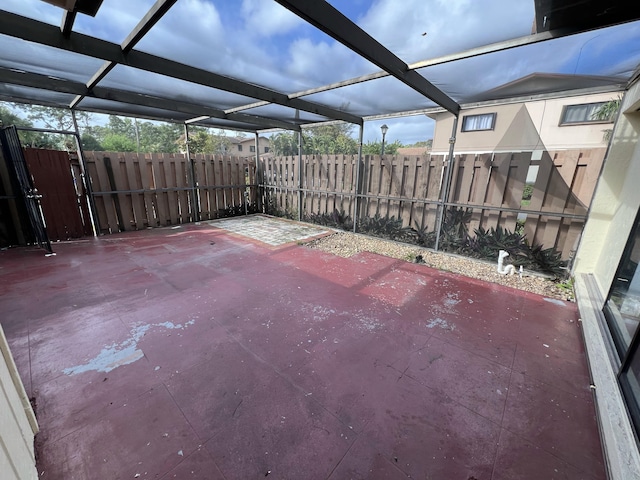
194, 352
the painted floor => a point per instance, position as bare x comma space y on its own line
197, 353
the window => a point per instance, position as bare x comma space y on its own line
584, 113
252, 148
266, 149
239, 148
622, 309
622, 312
473, 123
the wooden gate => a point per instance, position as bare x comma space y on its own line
63, 200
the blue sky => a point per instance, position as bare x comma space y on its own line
260, 42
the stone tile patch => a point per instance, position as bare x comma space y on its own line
272, 231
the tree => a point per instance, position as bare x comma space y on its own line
58, 119
375, 148
28, 139
90, 143
162, 138
201, 141
425, 143
118, 142
285, 143
329, 139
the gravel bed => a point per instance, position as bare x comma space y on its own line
346, 244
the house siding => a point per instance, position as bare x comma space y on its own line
17, 421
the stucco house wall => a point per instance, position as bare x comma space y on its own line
524, 126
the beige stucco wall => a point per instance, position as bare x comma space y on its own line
17, 423
524, 126
616, 200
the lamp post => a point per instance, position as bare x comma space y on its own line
384, 130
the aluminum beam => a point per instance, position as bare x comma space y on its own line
155, 13
38, 32
472, 52
67, 22
331, 21
35, 80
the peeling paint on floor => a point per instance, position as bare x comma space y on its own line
123, 353
439, 322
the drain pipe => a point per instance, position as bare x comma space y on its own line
355, 201
447, 182
86, 179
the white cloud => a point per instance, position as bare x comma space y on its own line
408, 130
450, 25
266, 18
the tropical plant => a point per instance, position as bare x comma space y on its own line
335, 219
607, 112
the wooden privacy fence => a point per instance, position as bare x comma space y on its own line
134, 191
409, 188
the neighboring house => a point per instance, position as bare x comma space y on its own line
246, 147
549, 141
558, 121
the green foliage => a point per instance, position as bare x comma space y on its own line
202, 141
335, 219
319, 140
454, 234
527, 193
285, 144
31, 139
90, 143
238, 210
547, 260
375, 148
329, 139
385, 227
426, 144
487, 244
118, 142
607, 113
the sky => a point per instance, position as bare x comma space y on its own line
259, 41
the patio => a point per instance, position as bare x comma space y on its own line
199, 352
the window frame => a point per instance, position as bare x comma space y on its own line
564, 123
239, 147
252, 149
463, 127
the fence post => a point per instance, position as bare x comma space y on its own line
447, 182
195, 204
300, 175
357, 185
95, 221
258, 176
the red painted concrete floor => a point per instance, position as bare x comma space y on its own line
195, 354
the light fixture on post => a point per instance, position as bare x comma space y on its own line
384, 130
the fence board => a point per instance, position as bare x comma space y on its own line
120, 183
130, 166
162, 200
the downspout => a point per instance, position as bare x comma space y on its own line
447, 182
